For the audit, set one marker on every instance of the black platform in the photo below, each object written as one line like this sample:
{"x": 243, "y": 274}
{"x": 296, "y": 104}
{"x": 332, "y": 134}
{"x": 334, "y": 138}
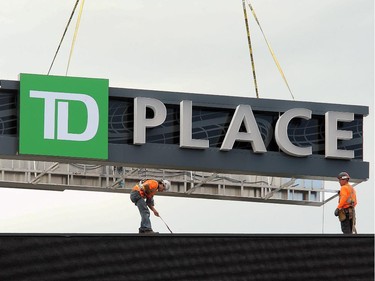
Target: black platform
{"x": 185, "y": 257}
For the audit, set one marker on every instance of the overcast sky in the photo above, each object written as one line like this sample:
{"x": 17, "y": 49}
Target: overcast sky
{"x": 326, "y": 49}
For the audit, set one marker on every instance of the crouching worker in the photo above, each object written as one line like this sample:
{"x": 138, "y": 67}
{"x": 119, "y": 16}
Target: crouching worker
{"x": 347, "y": 201}
{"x": 142, "y": 195}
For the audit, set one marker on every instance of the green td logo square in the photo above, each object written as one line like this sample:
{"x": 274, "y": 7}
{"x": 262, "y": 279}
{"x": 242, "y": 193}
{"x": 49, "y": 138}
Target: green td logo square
{"x": 63, "y": 116}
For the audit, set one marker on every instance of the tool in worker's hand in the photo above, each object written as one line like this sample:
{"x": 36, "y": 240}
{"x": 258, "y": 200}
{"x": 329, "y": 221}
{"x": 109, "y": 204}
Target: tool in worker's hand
{"x": 166, "y": 224}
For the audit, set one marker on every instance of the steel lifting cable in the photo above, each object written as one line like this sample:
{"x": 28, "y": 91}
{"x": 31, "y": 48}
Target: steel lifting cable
{"x": 250, "y": 48}
{"x": 63, "y": 36}
{"x": 269, "y": 48}
{"x": 75, "y": 35}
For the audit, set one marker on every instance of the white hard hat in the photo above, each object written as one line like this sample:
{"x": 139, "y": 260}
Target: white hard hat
{"x": 167, "y": 184}
{"x": 343, "y": 176}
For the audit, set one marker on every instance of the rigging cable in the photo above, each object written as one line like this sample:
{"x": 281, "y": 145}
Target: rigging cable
{"x": 250, "y": 48}
{"x": 269, "y": 48}
{"x": 75, "y": 35}
{"x": 63, "y": 36}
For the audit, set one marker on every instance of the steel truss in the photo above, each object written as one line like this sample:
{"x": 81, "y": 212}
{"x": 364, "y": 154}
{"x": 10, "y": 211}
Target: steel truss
{"x": 63, "y": 176}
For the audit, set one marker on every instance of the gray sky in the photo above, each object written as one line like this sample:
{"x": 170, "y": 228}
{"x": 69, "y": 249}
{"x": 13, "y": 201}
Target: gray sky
{"x": 326, "y": 49}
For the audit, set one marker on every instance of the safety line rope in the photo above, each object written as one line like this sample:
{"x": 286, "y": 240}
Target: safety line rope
{"x": 250, "y": 48}
{"x": 75, "y": 35}
{"x": 63, "y": 36}
{"x": 270, "y": 48}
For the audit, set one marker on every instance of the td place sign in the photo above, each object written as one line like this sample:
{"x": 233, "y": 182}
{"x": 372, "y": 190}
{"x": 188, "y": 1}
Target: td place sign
{"x": 82, "y": 117}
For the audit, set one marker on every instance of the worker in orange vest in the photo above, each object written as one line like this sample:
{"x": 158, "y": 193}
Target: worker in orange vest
{"x": 347, "y": 202}
{"x": 142, "y": 195}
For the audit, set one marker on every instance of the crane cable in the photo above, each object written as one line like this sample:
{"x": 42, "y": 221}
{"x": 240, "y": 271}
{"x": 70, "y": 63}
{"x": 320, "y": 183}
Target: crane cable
{"x": 270, "y": 48}
{"x": 75, "y": 35}
{"x": 250, "y": 48}
{"x": 63, "y": 36}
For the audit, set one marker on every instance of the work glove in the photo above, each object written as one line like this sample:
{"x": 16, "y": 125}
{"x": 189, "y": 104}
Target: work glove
{"x": 337, "y": 212}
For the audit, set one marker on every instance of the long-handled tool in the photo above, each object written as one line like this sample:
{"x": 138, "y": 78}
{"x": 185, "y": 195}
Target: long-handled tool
{"x": 166, "y": 224}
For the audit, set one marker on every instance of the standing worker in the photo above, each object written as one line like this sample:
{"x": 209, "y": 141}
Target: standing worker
{"x": 347, "y": 201}
{"x": 142, "y": 195}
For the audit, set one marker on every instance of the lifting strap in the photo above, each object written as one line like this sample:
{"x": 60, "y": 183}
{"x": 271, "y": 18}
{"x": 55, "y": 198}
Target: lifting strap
{"x": 270, "y": 48}
{"x": 250, "y": 48}
{"x": 75, "y": 35}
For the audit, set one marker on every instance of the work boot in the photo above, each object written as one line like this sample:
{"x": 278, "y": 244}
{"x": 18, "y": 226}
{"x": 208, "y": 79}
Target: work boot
{"x": 150, "y": 232}
{"x": 147, "y": 231}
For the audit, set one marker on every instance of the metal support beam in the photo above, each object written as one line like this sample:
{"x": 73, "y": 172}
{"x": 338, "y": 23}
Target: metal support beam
{"x": 117, "y": 182}
{"x": 270, "y": 194}
{"x": 205, "y": 180}
{"x": 51, "y": 168}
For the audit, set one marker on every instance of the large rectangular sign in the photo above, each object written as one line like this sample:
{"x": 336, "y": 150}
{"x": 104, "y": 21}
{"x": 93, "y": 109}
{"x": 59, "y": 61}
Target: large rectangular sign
{"x": 63, "y": 116}
{"x": 183, "y": 131}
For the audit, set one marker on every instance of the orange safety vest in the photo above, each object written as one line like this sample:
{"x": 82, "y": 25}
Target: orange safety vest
{"x": 152, "y": 187}
{"x": 348, "y": 197}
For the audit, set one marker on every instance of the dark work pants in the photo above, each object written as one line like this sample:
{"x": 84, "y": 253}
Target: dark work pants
{"x": 347, "y": 225}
